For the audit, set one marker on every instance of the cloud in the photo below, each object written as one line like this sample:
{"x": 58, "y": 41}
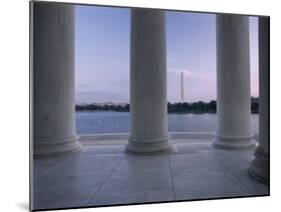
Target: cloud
{"x": 169, "y": 59}
{"x": 192, "y": 74}
{"x": 255, "y": 83}
{"x": 199, "y": 84}
{"x": 100, "y": 97}
{"x": 179, "y": 70}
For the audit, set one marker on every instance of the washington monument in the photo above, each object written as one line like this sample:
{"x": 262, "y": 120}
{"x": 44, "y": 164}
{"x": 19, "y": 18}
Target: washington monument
{"x": 182, "y": 87}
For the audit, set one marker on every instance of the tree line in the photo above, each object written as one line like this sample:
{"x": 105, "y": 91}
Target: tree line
{"x": 194, "y": 107}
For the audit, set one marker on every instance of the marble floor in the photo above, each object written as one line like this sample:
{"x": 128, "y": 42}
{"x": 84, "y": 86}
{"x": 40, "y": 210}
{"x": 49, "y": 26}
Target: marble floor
{"x": 105, "y": 175}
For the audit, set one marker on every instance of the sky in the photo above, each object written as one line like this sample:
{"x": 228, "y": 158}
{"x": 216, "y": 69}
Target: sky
{"x": 102, "y": 47}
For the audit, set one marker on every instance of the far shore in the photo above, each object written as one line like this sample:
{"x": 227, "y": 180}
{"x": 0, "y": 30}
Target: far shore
{"x": 199, "y": 107}
{"x": 169, "y": 112}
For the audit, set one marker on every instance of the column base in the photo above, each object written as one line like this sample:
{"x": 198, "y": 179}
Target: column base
{"x": 259, "y": 168}
{"x": 234, "y": 142}
{"x": 56, "y": 149}
{"x": 148, "y": 146}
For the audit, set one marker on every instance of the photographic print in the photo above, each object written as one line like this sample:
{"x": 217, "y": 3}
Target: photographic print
{"x": 140, "y": 105}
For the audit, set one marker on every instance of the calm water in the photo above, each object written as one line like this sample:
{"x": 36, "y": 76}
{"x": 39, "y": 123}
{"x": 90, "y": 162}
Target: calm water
{"x": 113, "y": 122}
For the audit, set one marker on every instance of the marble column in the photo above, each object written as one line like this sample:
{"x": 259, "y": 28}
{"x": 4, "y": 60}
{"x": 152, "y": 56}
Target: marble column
{"x": 53, "y": 80}
{"x": 233, "y": 83}
{"x": 148, "y": 82}
{"x": 260, "y": 165}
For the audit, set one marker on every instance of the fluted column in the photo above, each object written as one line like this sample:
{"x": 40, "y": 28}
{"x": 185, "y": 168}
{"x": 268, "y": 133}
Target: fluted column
{"x": 53, "y": 80}
{"x": 148, "y": 82}
{"x": 233, "y": 83}
{"x": 260, "y": 166}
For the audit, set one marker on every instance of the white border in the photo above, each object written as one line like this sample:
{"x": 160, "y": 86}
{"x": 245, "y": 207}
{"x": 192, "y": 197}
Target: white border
{"x": 14, "y": 110}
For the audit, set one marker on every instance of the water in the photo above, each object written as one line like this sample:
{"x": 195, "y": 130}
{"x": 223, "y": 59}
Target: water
{"x": 119, "y": 122}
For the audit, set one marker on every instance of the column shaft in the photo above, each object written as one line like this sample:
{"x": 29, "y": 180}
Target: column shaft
{"x": 148, "y": 82}
{"x": 53, "y": 74}
{"x": 260, "y": 166}
{"x": 233, "y": 83}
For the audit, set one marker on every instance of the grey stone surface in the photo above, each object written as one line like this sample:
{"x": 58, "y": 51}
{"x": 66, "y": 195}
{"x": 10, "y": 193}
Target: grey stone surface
{"x": 53, "y": 80}
{"x": 106, "y": 175}
{"x": 137, "y": 179}
{"x": 239, "y": 169}
{"x": 148, "y": 82}
{"x": 233, "y": 82}
{"x": 75, "y": 182}
{"x": 43, "y": 168}
{"x": 260, "y": 165}
{"x": 200, "y": 176}
{"x": 106, "y": 137}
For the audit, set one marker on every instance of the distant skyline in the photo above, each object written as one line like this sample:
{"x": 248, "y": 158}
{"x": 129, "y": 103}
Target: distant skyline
{"x": 102, "y": 47}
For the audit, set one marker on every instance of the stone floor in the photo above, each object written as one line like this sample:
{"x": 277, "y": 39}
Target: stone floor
{"x": 105, "y": 175}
